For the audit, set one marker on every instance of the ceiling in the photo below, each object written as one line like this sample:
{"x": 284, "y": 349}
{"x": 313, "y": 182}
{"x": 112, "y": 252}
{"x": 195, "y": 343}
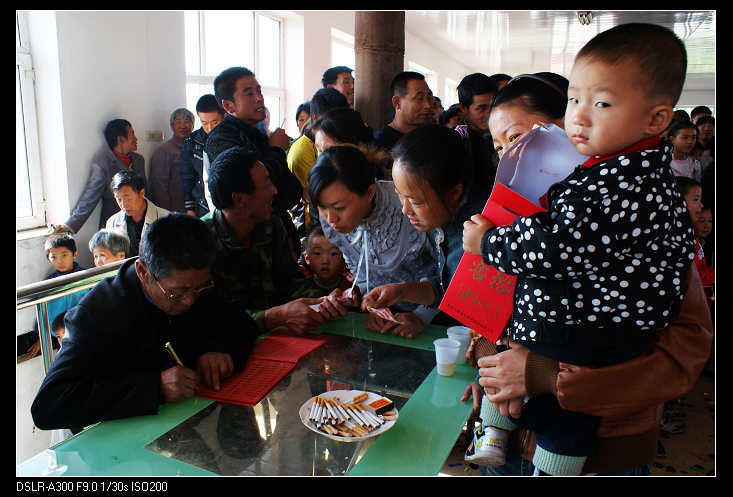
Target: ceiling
{"x": 515, "y": 42}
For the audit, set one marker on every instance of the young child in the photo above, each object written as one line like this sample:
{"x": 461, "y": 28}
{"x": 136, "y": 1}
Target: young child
{"x": 109, "y": 246}
{"x": 601, "y": 270}
{"x": 61, "y": 252}
{"x": 692, "y": 192}
{"x": 325, "y": 263}
{"x": 58, "y": 327}
{"x": 683, "y": 135}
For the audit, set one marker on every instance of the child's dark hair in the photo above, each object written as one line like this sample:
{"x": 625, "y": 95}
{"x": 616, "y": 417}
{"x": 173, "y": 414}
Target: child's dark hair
{"x": 114, "y": 241}
{"x": 315, "y": 231}
{"x": 685, "y": 184}
{"x": 678, "y": 126}
{"x": 58, "y": 322}
{"x": 660, "y": 55}
{"x": 60, "y": 240}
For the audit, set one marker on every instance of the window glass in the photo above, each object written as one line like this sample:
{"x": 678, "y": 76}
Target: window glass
{"x": 23, "y": 206}
{"x": 228, "y": 41}
{"x": 268, "y": 51}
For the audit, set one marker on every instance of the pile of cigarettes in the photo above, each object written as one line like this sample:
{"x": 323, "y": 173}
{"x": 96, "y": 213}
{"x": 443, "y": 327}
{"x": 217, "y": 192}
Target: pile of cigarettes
{"x": 333, "y": 417}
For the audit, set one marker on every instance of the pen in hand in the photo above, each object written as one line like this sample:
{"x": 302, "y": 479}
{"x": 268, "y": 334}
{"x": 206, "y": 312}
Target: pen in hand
{"x": 173, "y": 354}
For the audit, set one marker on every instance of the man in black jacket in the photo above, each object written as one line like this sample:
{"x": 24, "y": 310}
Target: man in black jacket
{"x": 192, "y": 156}
{"x": 240, "y": 95}
{"x": 113, "y": 362}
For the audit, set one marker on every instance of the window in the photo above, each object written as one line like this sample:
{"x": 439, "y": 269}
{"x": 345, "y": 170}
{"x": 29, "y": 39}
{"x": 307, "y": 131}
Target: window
{"x": 342, "y": 49}
{"x": 217, "y": 39}
{"x": 451, "y": 93}
{"x": 430, "y": 77}
{"x": 30, "y": 206}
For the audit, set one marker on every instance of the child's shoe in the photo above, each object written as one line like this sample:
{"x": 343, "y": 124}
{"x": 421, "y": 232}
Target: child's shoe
{"x": 488, "y": 447}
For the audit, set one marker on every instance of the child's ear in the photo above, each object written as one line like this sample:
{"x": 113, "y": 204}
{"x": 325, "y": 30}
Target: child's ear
{"x": 76, "y": 254}
{"x": 659, "y": 118}
{"x": 120, "y": 255}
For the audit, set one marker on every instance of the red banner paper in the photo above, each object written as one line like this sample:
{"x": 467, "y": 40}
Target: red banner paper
{"x": 480, "y": 296}
{"x": 272, "y": 358}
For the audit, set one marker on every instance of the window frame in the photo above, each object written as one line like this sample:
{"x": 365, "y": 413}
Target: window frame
{"x": 26, "y": 75}
{"x": 267, "y": 91}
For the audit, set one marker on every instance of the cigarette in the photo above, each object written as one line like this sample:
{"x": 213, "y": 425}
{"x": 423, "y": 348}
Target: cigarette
{"x": 335, "y": 409}
{"x": 359, "y": 418}
{"x": 341, "y": 409}
{"x": 360, "y": 398}
{"x": 331, "y": 412}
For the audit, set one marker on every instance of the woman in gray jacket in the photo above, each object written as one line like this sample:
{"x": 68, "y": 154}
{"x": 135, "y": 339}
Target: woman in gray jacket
{"x": 363, "y": 218}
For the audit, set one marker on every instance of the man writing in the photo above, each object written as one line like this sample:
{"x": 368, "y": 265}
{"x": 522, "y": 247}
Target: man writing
{"x": 114, "y": 363}
{"x": 118, "y": 154}
{"x": 252, "y": 264}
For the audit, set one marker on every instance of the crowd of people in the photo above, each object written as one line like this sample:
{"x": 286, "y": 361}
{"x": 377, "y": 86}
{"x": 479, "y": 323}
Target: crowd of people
{"x": 244, "y": 229}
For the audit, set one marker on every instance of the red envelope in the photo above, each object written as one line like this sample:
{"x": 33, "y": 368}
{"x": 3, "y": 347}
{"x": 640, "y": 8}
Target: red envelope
{"x": 479, "y": 295}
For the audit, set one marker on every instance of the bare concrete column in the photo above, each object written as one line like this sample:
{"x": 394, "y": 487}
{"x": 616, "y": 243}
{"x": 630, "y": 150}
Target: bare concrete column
{"x": 379, "y": 43}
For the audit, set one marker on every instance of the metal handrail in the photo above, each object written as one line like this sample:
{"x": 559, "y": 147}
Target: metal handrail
{"x": 33, "y": 293}
{"x": 40, "y": 293}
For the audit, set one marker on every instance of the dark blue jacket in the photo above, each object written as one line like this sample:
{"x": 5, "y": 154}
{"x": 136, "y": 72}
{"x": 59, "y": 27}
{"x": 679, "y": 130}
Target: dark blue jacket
{"x": 110, "y": 361}
{"x": 192, "y": 172}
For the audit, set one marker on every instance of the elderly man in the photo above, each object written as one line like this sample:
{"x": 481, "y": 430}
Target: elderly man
{"x": 413, "y": 107}
{"x": 114, "y": 364}
{"x": 340, "y": 78}
{"x": 136, "y": 212}
{"x": 166, "y": 189}
{"x": 118, "y": 154}
{"x": 253, "y": 267}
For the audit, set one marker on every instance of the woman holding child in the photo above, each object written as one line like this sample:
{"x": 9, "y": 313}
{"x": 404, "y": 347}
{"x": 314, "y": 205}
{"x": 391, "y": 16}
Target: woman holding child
{"x": 628, "y": 431}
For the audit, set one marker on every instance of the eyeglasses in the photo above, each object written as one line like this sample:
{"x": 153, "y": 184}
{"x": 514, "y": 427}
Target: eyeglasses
{"x": 177, "y": 297}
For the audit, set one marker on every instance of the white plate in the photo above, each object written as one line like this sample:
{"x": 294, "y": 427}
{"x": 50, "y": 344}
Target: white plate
{"x": 345, "y": 397}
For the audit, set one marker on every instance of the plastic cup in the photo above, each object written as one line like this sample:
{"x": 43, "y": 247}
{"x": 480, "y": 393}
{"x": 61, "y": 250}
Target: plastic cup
{"x": 460, "y": 335}
{"x": 446, "y": 354}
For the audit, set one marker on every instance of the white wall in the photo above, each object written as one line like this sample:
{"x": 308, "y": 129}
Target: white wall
{"x": 92, "y": 67}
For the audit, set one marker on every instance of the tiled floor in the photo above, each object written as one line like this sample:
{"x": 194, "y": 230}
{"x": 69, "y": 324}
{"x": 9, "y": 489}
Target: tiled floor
{"x": 691, "y": 453}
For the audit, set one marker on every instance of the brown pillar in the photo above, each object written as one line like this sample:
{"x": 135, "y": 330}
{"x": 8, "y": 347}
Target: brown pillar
{"x": 379, "y": 43}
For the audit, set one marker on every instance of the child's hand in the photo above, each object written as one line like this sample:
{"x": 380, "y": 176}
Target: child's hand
{"x": 473, "y": 231}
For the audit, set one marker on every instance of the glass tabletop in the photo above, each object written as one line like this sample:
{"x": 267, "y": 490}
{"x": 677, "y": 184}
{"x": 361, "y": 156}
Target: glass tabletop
{"x": 270, "y": 439}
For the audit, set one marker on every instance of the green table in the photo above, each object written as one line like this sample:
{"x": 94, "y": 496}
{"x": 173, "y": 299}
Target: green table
{"x": 431, "y": 417}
